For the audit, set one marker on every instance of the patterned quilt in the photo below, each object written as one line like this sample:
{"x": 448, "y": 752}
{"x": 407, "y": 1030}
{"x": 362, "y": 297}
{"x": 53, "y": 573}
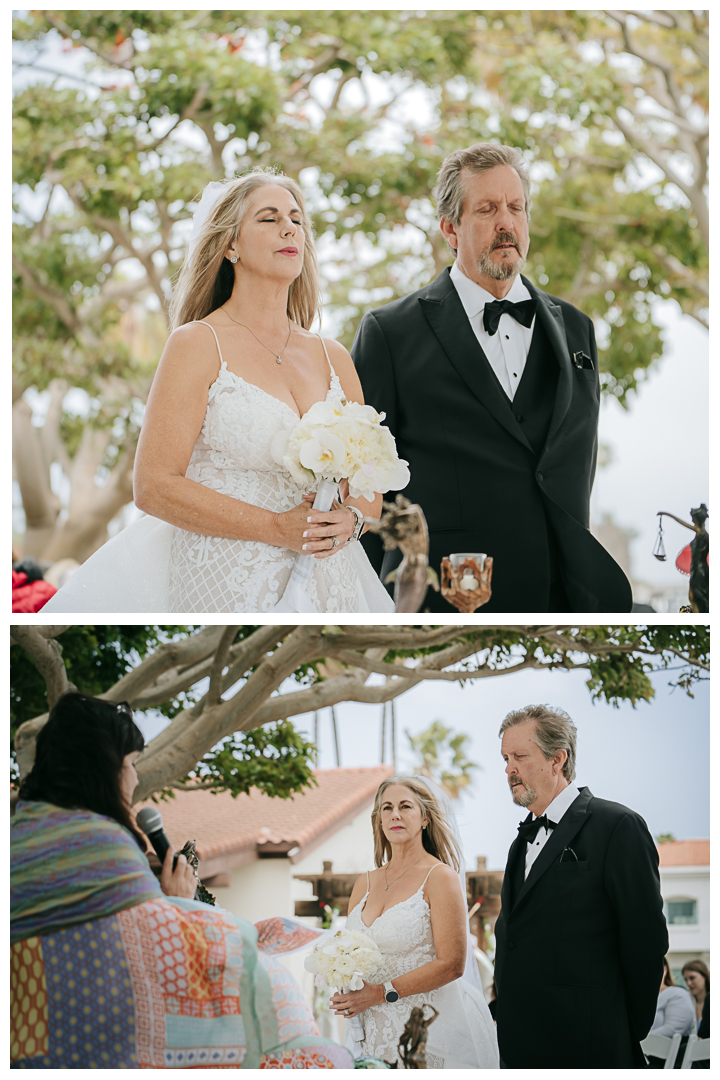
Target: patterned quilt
{"x": 168, "y": 983}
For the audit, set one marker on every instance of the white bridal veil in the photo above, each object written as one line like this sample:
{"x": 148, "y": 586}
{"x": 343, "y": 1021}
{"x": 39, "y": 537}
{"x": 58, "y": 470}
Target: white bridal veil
{"x": 471, "y": 973}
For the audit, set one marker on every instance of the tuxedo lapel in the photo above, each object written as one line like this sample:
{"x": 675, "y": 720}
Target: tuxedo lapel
{"x": 551, "y": 317}
{"x": 561, "y": 837}
{"x": 445, "y": 313}
{"x": 514, "y": 875}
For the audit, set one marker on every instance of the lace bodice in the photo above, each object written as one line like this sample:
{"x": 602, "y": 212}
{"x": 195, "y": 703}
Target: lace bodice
{"x": 232, "y": 453}
{"x": 403, "y": 933}
{"x": 233, "y": 456}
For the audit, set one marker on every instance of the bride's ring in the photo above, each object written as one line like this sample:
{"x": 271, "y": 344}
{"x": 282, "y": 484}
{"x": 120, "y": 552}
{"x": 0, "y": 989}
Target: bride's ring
{"x": 347, "y": 1012}
{"x": 335, "y": 542}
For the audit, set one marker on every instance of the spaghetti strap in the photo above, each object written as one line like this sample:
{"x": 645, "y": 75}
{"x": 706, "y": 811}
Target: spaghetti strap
{"x": 332, "y": 372}
{"x": 200, "y": 322}
{"x": 428, "y": 875}
{"x": 367, "y": 874}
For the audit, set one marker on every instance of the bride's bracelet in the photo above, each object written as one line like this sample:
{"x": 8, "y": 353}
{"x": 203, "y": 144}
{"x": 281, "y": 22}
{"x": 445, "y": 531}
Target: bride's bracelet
{"x": 359, "y": 521}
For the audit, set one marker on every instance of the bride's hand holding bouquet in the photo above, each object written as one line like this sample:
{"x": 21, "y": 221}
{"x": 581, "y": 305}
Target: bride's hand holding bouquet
{"x": 343, "y": 963}
{"x": 335, "y": 441}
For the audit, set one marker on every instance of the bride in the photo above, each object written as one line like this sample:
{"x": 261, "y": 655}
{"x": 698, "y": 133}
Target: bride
{"x": 413, "y": 906}
{"x": 224, "y": 519}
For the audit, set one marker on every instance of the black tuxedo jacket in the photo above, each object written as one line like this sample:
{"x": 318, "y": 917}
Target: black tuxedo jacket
{"x": 493, "y": 475}
{"x": 580, "y": 943}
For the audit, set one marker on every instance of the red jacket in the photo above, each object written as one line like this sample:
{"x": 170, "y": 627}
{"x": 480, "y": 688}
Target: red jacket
{"x": 30, "y": 596}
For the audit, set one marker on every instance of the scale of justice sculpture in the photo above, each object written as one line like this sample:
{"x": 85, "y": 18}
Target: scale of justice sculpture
{"x": 697, "y": 565}
{"x": 465, "y": 578}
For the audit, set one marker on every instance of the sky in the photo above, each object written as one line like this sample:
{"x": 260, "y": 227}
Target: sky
{"x": 659, "y": 446}
{"x": 654, "y": 758}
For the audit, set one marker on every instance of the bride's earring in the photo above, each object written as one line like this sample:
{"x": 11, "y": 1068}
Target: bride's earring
{"x": 233, "y": 259}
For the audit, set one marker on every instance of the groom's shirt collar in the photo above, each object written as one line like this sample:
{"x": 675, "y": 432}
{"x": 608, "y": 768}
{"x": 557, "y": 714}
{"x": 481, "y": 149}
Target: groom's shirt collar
{"x": 474, "y": 298}
{"x": 562, "y": 802}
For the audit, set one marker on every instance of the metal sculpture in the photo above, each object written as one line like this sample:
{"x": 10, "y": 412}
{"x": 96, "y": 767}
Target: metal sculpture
{"x": 413, "y": 1041}
{"x": 699, "y": 590}
{"x": 402, "y": 525}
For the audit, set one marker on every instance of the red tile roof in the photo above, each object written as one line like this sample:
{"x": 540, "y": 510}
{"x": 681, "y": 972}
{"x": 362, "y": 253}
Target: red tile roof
{"x": 230, "y": 832}
{"x": 685, "y": 853}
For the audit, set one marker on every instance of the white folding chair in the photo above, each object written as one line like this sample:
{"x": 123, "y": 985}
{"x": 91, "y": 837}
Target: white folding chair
{"x": 660, "y": 1046}
{"x": 696, "y": 1050}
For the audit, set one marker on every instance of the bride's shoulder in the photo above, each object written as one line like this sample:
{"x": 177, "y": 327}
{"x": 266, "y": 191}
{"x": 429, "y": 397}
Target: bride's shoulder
{"x": 440, "y": 878}
{"x": 192, "y": 348}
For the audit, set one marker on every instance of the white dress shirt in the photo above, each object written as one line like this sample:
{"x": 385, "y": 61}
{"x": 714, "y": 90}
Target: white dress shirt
{"x": 507, "y": 349}
{"x": 559, "y": 806}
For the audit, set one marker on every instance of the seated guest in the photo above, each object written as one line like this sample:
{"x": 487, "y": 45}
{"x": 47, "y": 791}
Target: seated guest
{"x": 109, "y": 968}
{"x": 697, "y": 979}
{"x": 675, "y": 1013}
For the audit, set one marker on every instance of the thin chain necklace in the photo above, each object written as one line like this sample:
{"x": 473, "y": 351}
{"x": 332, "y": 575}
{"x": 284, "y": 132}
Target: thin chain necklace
{"x": 403, "y": 873}
{"x": 278, "y": 358}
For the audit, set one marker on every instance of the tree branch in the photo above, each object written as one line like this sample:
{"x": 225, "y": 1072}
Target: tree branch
{"x": 46, "y": 654}
{"x": 67, "y": 32}
{"x": 55, "y": 300}
{"x": 171, "y": 654}
{"x": 221, "y": 654}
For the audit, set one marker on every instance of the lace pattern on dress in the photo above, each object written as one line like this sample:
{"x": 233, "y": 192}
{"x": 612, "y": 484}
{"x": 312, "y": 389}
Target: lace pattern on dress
{"x": 232, "y": 456}
{"x": 403, "y": 934}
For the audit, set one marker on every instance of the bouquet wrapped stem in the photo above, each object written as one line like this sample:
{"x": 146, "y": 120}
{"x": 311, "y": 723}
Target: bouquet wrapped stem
{"x": 335, "y": 439}
{"x": 295, "y": 597}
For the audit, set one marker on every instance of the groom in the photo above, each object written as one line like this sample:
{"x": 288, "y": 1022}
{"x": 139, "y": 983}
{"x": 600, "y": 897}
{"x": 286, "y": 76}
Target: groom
{"x": 491, "y": 389}
{"x": 581, "y": 935}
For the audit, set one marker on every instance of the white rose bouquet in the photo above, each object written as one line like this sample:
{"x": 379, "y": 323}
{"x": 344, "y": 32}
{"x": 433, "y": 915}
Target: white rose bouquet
{"x": 335, "y": 440}
{"x": 343, "y": 962}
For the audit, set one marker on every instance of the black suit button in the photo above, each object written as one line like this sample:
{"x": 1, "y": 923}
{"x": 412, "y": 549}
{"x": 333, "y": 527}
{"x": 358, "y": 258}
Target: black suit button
{"x": 540, "y": 478}
{"x": 511, "y": 944}
{"x": 519, "y": 418}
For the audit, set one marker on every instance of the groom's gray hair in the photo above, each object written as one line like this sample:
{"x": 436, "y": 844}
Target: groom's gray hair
{"x": 554, "y": 730}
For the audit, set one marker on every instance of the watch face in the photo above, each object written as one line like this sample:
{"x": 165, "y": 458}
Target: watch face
{"x": 392, "y": 995}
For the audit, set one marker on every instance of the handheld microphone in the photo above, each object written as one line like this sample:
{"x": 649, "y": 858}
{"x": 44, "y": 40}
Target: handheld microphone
{"x": 150, "y": 821}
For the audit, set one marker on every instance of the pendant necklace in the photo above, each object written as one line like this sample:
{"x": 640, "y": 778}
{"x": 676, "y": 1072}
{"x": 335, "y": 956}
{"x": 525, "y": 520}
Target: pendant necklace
{"x": 401, "y": 875}
{"x": 278, "y": 358}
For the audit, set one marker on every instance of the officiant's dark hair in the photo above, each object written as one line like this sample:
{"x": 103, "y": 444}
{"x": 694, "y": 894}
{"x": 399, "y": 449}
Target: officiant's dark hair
{"x": 554, "y": 731}
{"x": 437, "y": 837}
{"x": 79, "y": 755}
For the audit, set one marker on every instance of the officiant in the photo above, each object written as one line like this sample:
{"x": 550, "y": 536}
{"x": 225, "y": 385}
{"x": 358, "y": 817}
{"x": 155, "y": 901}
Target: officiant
{"x": 491, "y": 388}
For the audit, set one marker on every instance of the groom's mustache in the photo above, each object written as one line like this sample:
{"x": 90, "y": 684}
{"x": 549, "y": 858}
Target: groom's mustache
{"x": 505, "y": 238}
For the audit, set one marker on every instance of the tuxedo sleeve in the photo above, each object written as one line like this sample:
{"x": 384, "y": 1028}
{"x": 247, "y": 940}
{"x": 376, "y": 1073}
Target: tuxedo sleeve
{"x": 373, "y": 361}
{"x": 632, "y": 881}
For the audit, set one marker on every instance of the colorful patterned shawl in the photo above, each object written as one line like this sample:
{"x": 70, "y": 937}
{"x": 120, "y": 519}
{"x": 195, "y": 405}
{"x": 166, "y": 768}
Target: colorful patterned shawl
{"x": 103, "y": 976}
{"x": 69, "y": 866}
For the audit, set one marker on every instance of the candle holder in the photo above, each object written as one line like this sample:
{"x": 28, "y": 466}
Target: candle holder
{"x": 465, "y": 580}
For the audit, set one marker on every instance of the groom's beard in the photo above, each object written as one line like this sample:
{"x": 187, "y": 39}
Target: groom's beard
{"x": 503, "y": 270}
{"x": 523, "y": 794}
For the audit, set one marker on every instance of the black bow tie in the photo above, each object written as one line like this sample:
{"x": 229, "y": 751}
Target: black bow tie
{"x": 530, "y": 827}
{"x": 524, "y": 313}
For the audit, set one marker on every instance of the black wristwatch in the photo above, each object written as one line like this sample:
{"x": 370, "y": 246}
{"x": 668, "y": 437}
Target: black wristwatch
{"x": 391, "y": 993}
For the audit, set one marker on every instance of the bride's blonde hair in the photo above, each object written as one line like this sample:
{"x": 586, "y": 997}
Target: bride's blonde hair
{"x": 437, "y": 838}
{"x": 205, "y": 281}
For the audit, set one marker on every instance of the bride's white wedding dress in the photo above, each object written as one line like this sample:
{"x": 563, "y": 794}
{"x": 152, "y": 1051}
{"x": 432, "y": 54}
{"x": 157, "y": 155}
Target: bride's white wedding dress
{"x": 463, "y": 1034}
{"x": 155, "y": 566}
